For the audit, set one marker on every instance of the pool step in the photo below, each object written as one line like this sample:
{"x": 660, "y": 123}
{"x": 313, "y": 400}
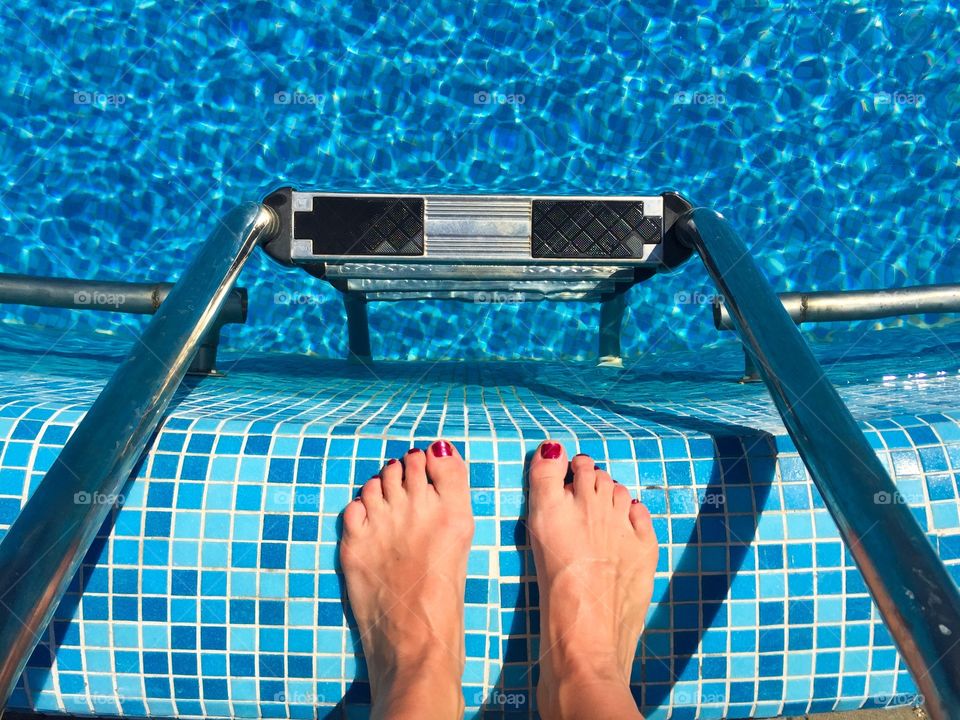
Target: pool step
{"x": 492, "y": 249}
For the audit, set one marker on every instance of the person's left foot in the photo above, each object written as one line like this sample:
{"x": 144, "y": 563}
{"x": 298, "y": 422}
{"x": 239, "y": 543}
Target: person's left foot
{"x": 404, "y": 555}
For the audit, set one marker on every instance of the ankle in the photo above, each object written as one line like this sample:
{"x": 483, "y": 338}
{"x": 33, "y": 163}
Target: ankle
{"x": 579, "y": 694}
{"x": 426, "y": 682}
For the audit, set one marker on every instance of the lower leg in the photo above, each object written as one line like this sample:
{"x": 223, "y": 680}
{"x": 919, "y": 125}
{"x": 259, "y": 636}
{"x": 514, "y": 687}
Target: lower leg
{"x": 595, "y": 554}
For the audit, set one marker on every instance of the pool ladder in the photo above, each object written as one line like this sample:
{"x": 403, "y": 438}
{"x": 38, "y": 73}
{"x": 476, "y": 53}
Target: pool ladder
{"x": 919, "y": 601}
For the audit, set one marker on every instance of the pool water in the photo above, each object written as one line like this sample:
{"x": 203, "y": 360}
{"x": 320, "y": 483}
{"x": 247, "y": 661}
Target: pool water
{"x": 826, "y": 132}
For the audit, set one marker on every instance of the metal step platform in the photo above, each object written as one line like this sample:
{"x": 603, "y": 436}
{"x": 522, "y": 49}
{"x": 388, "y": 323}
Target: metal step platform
{"x": 479, "y": 248}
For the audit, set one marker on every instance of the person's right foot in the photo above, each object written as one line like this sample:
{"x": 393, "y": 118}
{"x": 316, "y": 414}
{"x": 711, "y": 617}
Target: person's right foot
{"x": 596, "y": 553}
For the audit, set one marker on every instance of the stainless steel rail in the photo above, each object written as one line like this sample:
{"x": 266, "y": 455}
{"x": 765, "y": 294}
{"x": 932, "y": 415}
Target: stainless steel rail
{"x": 857, "y": 304}
{"x": 916, "y": 596}
{"x": 107, "y": 295}
{"x": 43, "y": 548}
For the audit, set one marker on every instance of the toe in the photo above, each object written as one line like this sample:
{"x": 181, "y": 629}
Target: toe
{"x": 584, "y": 475}
{"x": 446, "y": 470}
{"x": 354, "y": 517}
{"x": 371, "y": 494}
{"x": 415, "y": 471}
{"x": 548, "y": 470}
{"x": 392, "y": 477}
{"x": 605, "y": 484}
{"x": 640, "y": 519}
{"x": 621, "y": 497}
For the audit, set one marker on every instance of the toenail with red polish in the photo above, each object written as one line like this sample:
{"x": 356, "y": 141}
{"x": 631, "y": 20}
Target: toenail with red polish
{"x": 596, "y": 467}
{"x": 441, "y": 448}
{"x": 550, "y": 450}
{"x": 391, "y": 461}
{"x": 411, "y": 451}
{"x": 357, "y": 499}
{"x": 635, "y": 501}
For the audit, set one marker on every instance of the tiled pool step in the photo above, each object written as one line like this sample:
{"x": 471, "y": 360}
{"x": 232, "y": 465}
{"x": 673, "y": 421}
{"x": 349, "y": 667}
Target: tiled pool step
{"x": 213, "y": 590}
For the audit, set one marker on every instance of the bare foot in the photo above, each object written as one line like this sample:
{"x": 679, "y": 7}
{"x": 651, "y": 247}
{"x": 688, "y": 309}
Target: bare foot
{"x": 596, "y": 554}
{"x": 404, "y": 554}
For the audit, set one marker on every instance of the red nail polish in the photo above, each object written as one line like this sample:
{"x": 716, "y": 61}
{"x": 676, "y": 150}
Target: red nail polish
{"x": 441, "y": 448}
{"x": 391, "y": 461}
{"x": 596, "y": 467}
{"x": 580, "y": 455}
{"x": 411, "y": 451}
{"x": 635, "y": 501}
{"x": 551, "y": 450}
{"x": 357, "y": 499}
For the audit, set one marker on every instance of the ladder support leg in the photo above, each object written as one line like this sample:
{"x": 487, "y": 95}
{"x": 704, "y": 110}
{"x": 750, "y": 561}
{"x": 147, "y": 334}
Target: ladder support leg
{"x": 612, "y": 311}
{"x": 358, "y": 326}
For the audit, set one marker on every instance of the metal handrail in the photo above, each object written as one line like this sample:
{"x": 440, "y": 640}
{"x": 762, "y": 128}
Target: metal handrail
{"x": 915, "y": 594}
{"x": 124, "y": 297}
{"x": 42, "y": 550}
{"x": 831, "y": 306}
{"x": 849, "y": 305}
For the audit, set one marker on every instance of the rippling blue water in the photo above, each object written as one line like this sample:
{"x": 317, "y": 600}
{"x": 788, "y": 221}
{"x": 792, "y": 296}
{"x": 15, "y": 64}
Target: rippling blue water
{"x": 127, "y": 126}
